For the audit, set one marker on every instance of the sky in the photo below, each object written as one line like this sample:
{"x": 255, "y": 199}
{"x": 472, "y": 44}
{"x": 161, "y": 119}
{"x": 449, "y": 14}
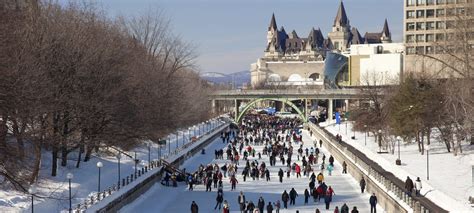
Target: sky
{"x": 231, "y": 34}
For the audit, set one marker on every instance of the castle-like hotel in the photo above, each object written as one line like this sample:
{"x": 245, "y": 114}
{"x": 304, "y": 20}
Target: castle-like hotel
{"x": 290, "y": 58}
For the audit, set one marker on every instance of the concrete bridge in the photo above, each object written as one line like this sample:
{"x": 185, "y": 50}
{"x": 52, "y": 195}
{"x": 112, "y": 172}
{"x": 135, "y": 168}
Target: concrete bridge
{"x": 286, "y": 96}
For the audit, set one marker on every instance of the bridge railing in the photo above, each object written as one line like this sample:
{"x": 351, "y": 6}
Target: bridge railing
{"x": 343, "y": 91}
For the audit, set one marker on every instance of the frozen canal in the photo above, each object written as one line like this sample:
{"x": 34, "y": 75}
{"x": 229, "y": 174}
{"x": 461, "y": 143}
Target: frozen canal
{"x": 169, "y": 199}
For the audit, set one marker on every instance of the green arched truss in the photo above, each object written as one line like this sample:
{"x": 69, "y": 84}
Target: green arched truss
{"x": 286, "y": 101}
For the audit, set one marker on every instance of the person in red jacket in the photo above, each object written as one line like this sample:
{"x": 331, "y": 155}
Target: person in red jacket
{"x": 233, "y": 182}
{"x": 298, "y": 170}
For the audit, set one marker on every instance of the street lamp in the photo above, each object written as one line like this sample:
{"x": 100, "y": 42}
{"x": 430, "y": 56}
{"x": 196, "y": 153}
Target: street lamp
{"x": 427, "y": 162}
{"x": 32, "y": 191}
{"x": 149, "y": 151}
{"x": 398, "y": 161}
{"x": 365, "y": 139}
{"x": 118, "y": 165}
{"x": 380, "y": 140}
{"x": 99, "y": 165}
{"x": 136, "y": 162}
{"x": 69, "y": 177}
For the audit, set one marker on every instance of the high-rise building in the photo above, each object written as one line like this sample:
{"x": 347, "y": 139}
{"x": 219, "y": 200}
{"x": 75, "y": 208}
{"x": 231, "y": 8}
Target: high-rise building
{"x": 427, "y": 25}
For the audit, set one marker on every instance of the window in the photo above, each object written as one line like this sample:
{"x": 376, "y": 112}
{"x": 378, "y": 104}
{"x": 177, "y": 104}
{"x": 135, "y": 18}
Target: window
{"x": 429, "y": 50}
{"x": 439, "y": 12}
{"x": 410, "y": 14}
{"x": 440, "y": 37}
{"x": 430, "y": 2}
{"x": 460, "y": 11}
{"x": 420, "y": 26}
{"x": 450, "y": 1}
{"x": 420, "y": 13}
{"x": 420, "y": 50}
{"x": 430, "y": 13}
{"x": 430, "y": 25}
{"x": 420, "y": 38}
{"x": 429, "y": 37}
{"x": 440, "y": 1}
{"x": 450, "y": 11}
{"x": 440, "y": 25}
{"x": 410, "y": 39}
{"x": 410, "y": 50}
{"x": 410, "y": 26}
{"x": 410, "y": 2}
{"x": 420, "y": 2}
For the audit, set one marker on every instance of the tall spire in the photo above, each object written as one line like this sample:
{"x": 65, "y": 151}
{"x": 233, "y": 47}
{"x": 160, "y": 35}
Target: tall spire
{"x": 341, "y": 17}
{"x": 273, "y": 24}
{"x": 386, "y": 31}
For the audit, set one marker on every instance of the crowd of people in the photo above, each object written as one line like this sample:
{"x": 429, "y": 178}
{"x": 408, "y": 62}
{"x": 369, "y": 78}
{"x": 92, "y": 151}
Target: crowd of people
{"x": 279, "y": 141}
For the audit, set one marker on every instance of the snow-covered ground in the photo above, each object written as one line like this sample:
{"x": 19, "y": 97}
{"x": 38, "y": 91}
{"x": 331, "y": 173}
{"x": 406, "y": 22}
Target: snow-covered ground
{"x": 85, "y": 181}
{"x": 450, "y": 177}
{"x": 168, "y": 199}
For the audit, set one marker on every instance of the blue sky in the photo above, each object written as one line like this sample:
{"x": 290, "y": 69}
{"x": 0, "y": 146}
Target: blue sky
{"x": 231, "y": 34}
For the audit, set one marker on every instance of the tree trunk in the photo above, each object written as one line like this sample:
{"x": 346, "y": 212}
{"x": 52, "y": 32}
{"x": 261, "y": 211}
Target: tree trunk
{"x": 428, "y": 136}
{"x": 37, "y": 162}
{"x": 88, "y": 153}
{"x": 418, "y": 140}
{"x": 81, "y": 150}
{"x": 19, "y": 139}
{"x": 54, "y": 167}
{"x": 64, "y": 137}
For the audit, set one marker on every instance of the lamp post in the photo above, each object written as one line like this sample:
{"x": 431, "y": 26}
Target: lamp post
{"x": 380, "y": 140}
{"x": 398, "y": 161}
{"x": 365, "y": 135}
{"x": 32, "y": 191}
{"x": 69, "y": 177}
{"x": 149, "y": 151}
{"x": 118, "y": 167}
{"x": 177, "y": 139}
{"x": 136, "y": 162}
{"x": 427, "y": 162}
{"x": 99, "y": 165}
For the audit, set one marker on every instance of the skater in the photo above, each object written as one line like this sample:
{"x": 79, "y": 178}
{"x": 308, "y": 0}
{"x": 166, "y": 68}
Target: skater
{"x": 267, "y": 174}
{"x": 327, "y": 200}
{"x": 219, "y": 200}
{"x": 277, "y": 206}
{"x": 362, "y": 185}
{"x": 241, "y": 201}
{"x": 330, "y": 168}
{"x": 306, "y": 196}
{"x": 261, "y": 204}
{"x": 233, "y": 182}
{"x": 280, "y": 175}
{"x": 418, "y": 186}
{"x": 285, "y": 197}
{"x": 269, "y": 207}
{"x": 344, "y": 208}
{"x": 320, "y": 143}
{"x": 354, "y": 210}
{"x": 373, "y": 203}
{"x": 293, "y": 195}
{"x": 344, "y": 167}
{"x": 225, "y": 207}
{"x": 194, "y": 207}
{"x": 409, "y": 186}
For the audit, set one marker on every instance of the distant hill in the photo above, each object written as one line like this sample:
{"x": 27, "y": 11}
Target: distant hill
{"x": 240, "y": 78}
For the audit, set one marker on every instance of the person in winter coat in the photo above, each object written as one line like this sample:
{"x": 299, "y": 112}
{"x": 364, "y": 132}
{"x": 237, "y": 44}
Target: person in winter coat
{"x": 269, "y": 207}
{"x": 298, "y": 170}
{"x": 354, "y": 210}
{"x": 285, "y": 197}
{"x": 261, "y": 204}
{"x": 330, "y": 192}
{"x": 317, "y": 211}
{"x": 344, "y": 208}
{"x": 241, "y": 201}
{"x": 320, "y": 178}
{"x": 293, "y": 195}
{"x": 336, "y": 210}
{"x": 344, "y": 167}
{"x": 418, "y": 186}
{"x": 306, "y": 196}
{"x": 280, "y": 175}
{"x": 233, "y": 182}
{"x": 219, "y": 200}
{"x": 327, "y": 200}
{"x": 277, "y": 206}
{"x": 267, "y": 174}
{"x": 373, "y": 203}
{"x": 362, "y": 185}
{"x": 225, "y": 207}
{"x": 256, "y": 210}
{"x": 330, "y": 168}
{"x": 311, "y": 185}
{"x": 250, "y": 207}
{"x": 194, "y": 207}
{"x": 331, "y": 160}
{"x": 409, "y": 186}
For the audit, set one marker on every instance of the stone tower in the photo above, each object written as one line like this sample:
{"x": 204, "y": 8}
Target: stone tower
{"x": 272, "y": 30}
{"x": 386, "y": 35}
{"x": 341, "y": 30}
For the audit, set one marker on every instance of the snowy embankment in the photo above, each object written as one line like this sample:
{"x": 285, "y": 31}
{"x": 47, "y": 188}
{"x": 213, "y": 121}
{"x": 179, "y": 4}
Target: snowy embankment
{"x": 53, "y": 192}
{"x": 450, "y": 180}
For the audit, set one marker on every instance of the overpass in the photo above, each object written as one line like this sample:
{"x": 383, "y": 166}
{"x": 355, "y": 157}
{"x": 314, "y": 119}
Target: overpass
{"x": 285, "y": 96}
